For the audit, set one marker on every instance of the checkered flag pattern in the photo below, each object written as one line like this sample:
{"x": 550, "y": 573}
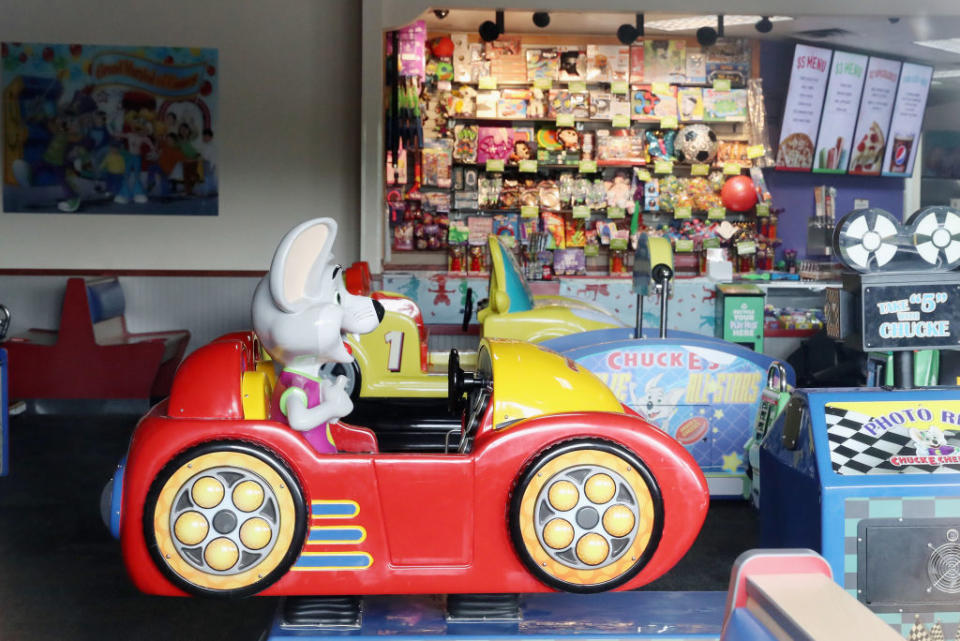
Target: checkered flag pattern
{"x": 936, "y": 632}
{"x": 853, "y": 451}
{"x": 918, "y": 632}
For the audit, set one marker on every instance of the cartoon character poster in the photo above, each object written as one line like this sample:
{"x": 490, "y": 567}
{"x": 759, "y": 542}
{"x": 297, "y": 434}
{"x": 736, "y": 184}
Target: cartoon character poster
{"x": 106, "y": 129}
{"x": 707, "y": 399}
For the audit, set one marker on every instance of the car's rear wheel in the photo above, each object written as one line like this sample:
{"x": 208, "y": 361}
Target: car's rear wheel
{"x": 586, "y": 516}
{"x": 225, "y": 518}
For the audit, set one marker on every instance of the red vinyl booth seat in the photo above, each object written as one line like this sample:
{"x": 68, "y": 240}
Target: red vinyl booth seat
{"x": 92, "y": 355}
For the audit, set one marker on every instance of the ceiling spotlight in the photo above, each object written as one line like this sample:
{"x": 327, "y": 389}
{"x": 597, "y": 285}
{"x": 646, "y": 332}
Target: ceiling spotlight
{"x": 764, "y": 25}
{"x": 627, "y": 33}
{"x": 706, "y": 36}
{"x": 441, "y": 13}
{"x": 489, "y": 30}
{"x": 893, "y": 20}
{"x": 541, "y": 19}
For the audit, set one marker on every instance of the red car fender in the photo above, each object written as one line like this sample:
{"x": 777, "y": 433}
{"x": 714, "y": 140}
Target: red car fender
{"x": 683, "y": 487}
{"x": 158, "y": 440}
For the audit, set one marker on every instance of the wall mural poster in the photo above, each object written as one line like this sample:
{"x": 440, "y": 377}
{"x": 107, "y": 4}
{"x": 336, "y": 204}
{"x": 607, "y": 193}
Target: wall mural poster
{"x": 110, "y": 130}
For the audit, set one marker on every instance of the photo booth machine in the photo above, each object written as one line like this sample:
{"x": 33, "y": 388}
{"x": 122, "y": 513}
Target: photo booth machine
{"x": 870, "y": 477}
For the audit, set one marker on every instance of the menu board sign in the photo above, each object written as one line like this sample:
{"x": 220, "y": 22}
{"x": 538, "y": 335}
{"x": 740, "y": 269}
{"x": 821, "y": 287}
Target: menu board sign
{"x": 876, "y": 105}
{"x": 801, "y": 117}
{"x": 847, "y": 72}
{"x": 907, "y": 119}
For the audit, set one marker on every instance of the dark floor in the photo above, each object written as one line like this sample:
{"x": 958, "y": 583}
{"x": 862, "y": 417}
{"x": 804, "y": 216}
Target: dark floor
{"x": 61, "y": 574}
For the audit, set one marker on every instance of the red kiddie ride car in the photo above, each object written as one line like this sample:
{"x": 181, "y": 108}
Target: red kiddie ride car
{"x": 551, "y": 484}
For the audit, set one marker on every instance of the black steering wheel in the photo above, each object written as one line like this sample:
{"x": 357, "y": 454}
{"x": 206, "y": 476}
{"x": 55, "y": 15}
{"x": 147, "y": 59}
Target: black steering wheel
{"x": 460, "y": 383}
{"x": 467, "y": 309}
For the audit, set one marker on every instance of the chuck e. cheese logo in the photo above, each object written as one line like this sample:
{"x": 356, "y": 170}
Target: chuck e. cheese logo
{"x": 693, "y": 378}
{"x": 912, "y": 434}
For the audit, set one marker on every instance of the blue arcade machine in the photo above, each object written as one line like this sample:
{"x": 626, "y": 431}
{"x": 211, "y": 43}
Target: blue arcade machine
{"x": 870, "y": 477}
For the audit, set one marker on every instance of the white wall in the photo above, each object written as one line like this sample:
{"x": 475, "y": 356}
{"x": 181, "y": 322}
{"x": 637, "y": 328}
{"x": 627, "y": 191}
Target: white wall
{"x": 288, "y": 131}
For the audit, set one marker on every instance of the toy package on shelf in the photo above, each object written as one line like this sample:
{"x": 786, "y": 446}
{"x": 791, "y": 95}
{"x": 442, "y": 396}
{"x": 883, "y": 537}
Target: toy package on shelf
{"x": 506, "y": 58}
{"x": 725, "y": 106}
{"x": 573, "y": 64}
{"x": 619, "y": 106}
{"x": 732, "y": 151}
{"x": 664, "y": 61}
{"x": 461, "y": 101}
{"x": 548, "y": 195}
{"x": 690, "y": 103}
{"x": 604, "y": 62}
{"x": 696, "y": 69}
{"x": 494, "y": 143}
{"x": 469, "y": 64}
{"x": 543, "y": 64}
{"x": 620, "y": 146}
{"x": 566, "y": 103}
{"x": 513, "y": 103}
{"x": 569, "y": 262}
{"x": 465, "y": 143}
{"x": 437, "y": 161}
{"x": 576, "y": 232}
{"x": 729, "y": 59}
{"x": 652, "y": 106}
{"x": 480, "y": 228}
{"x": 619, "y": 191}
{"x": 600, "y": 105}
{"x": 636, "y": 62}
{"x": 411, "y": 41}
{"x": 555, "y": 228}
{"x": 487, "y": 102}
{"x": 524, "y": 146}
{"x": 507, "y": 227}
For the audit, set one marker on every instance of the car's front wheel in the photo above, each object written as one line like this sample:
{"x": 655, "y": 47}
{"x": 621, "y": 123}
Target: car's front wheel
{"x": 586, "y": 516}
{"x": 225, "y": 518}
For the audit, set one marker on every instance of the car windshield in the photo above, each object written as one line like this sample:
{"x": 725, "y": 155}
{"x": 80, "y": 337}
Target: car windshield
{"x": 521, "y": 299}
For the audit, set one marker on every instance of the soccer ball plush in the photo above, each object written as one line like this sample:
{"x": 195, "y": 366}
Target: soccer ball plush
{"x": 696, "y": 144}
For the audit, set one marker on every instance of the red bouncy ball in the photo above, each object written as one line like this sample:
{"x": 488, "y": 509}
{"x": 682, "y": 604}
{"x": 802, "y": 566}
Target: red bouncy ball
{"x": 443, "y": 47}
{"x": 738, "y": 194}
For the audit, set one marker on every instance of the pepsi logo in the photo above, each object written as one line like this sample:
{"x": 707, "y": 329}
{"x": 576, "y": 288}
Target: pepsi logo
{"x": 900, "y": 154}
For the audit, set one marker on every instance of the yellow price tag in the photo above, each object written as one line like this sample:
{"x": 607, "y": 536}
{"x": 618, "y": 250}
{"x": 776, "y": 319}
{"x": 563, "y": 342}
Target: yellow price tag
{"x": 529, "y": 211}
{"x": 663, "y": 167}
{"x": 487, "y": 82}
{"x": 660, "y": 87}
{"x": 620, "y": 121}
{"x": 755, "y": 151}
{"x": 669, "y": 122}
{"x": 581, "y": 211}
{"x": 577, "y": 86}
{"x": 588, "y": 167}
{"x": 494, "y": 164}
{"x": 616, "y": 212}
{"x": 528, "y": 166}
{"x": 643, "y": 175}
{"x": 682, "y": 212}
{"x": 716, "y": 213}
{"x": 699, "y": 169}
{"x": 763, "y": 210}
{"x": 542, "y": 83}
{"x": 565, "y": 120}
{"x": 731, "y": 168}
{"x": 721, "y": 84}
{"x": 618, "y": 86}
{"x": 683, "y": 245}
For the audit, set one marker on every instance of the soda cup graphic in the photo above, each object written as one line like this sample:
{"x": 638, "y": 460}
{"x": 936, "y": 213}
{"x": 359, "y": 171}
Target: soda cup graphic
{"x": 902, "y": 145}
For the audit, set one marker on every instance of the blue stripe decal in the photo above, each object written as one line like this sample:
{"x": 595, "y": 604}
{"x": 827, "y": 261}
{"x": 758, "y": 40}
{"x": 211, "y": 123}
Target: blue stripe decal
{"x": 333, "y": 561}
{"x": 336, "y": 534}
{"x": 335, "y": 509}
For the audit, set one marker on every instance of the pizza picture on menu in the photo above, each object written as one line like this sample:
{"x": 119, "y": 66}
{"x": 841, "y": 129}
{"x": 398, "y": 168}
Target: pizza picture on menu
{"x": 796, "y": 151}
{"x": 868, "y": 154}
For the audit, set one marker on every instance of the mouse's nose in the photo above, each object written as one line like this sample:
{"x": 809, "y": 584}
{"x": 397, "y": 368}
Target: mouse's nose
{"x": 379, "y": 309}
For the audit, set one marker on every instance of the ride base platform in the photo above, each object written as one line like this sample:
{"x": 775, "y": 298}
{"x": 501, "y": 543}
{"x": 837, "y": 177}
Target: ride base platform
{"x": 601, "y": 617}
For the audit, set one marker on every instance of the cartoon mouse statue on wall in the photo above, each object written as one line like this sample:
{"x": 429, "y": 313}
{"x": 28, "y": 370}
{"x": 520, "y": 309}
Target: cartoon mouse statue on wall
{"x": 300, "y": 310}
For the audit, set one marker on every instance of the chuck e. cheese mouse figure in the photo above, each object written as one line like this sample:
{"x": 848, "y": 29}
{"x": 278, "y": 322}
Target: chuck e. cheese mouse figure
{"x": 301, "y": 308}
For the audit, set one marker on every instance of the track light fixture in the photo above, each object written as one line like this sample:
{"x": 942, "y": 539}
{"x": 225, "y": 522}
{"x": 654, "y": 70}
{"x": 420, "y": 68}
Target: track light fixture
{"x": 541, "y": 19}
{"x": 441, "y": 13}
{"x": 627, "y": 33}
{"x": 707, "y": 36}
{"x": 490, "y": 31}
{"x": 764, "y": 25}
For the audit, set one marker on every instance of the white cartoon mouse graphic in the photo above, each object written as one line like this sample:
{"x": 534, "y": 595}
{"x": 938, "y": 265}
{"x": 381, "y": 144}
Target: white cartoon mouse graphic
{"x": 300, "y": 310}
{"x": 658, "y": 405}
{"x": 930, "y": 442}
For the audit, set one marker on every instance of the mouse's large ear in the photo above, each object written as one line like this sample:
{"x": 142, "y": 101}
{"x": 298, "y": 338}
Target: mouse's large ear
{"x": 298, "y": 262}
